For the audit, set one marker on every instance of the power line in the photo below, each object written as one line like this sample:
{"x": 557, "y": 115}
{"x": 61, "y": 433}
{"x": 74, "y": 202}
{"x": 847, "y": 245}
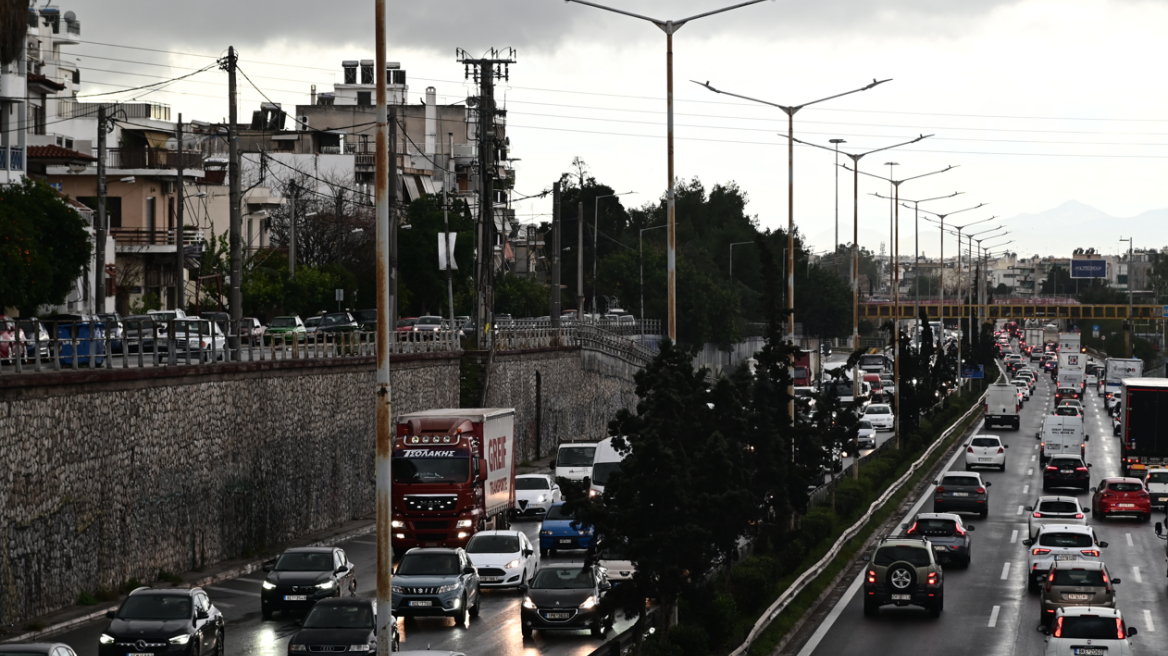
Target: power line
{"x": 150, "y": 86}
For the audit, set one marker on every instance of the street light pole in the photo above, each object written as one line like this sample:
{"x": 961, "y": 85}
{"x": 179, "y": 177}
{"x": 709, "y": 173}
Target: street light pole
{"x": 737, "y": 243}
{"x": 669, "y": 27}
{"x": 790, "y": 111}
{"x": 1130, "y": 325}
{"x": 835, "y": 246}
{"x": 641, "y": 258}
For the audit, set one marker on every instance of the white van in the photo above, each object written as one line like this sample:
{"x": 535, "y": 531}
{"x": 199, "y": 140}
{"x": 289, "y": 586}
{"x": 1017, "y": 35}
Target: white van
{"x": 606, "y": 461}
{"x": 1001, "y": 406}
{"x": 1062, "y": 435}
{"x": 574, "y": 460}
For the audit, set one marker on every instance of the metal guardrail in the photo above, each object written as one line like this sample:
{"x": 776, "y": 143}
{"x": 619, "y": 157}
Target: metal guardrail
{"x": 815, "y": 570}
{"x": 602, "y": 338}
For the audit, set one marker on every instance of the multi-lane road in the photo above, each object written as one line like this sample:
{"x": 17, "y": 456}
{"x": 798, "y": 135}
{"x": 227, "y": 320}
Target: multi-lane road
{"x": 495, "y": 631}
{"x": 988, "y": 610}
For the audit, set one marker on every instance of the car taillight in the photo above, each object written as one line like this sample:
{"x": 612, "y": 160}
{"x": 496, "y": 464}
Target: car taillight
{"x": 960, "y": 531}
{"x": 1001, "y": 450}
{"x": 871, "y": 576}
{"x": 1039, "y": 552}
{"x": 1079, "y": 516}
{"x": 1037, "y": 514}
{"x": 933, "y": 578}
{"x": 1090, "y": 552}
{"x": 1049, "y": 580}
{"x": 1058, "y": 627}
{"x": 1080, "y": 469}
{"x": 969, "y": 450}
{"x": 1106, "y": 582}
{"x": 940, "y": 489}
{"x": 1119, "y": 628}
{"x": 912, "y": 529}
{"x": 1051, "y": 468}
{"x": 981, "y": 490}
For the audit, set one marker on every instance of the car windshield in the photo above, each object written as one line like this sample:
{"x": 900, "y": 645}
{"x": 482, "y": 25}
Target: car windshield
{"x": 1078, "y": 577}
{"x": 535, "y": 483}
{"x": 429, "y": 564}
{"x": 877, "y": 410}
{"x": 366, "y": 315}
{"x": 283, "y": 322}
{"x": 1058, "y": 507}
{"x": 493, "y": 544}
{"x": 575, "y": 456}
{"x": 960, "y": 481}
{"x": 430, "y": 321}
{"x": 916, "y": 556}
{"x": 334, "y": 319}
{"x": 312, "y": 321}
{"x": 1065, "y": 540}
{"x": 1125, "y": 487}
{"x": 865, "y": 424}
{"x": 1066, "y": 463}
{"x": 870, "y": 360}
{"x": 1158, "y": 477}
{"x": 301, "y": 561}
{"x": 557, "y": 512}
{"x": 563, "y": 578}
{"x": 184, "y": 327}
{"x": 339, "y": 616}
{"x": 985, "y": 441}
{"x": 939, "y": 527}
{"x": 431, "y": 470}
{"x": 156, "y": 607}
{"x": 1090, "y": 627}
{"x": 602, "y": 470}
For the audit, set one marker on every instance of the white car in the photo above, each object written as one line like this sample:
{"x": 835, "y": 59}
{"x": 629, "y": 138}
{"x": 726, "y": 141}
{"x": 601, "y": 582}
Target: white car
{"x": 985, "y": 451}
{"x": 1055, "y": 510}
{"x": 1060, "y": 542}
{"x": 535, "y": 493}
{"x": 1093, "y": 380}
{"x": 1088, "y": 631}
{"x": 879, "y": 415}
{"x": 616, "y": 565}
{"x": 1074, "y": 402}
{"x": 1156, "y": 480}
{"x": 504, "y": 559}
{"x": 1023, "y": 387}
{"x": 865, "y": 435}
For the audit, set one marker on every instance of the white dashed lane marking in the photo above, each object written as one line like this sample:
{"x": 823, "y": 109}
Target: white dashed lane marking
{"x": 994, "y": 616}
{"x": 1019, "y": 511}
{"x": 1129, "y": 540}
{"x": 1005, "y": 571}
{"x": 1148, "y": 625}
{"x": 1136, "y": 573}
{"x": 1013, "y": 539}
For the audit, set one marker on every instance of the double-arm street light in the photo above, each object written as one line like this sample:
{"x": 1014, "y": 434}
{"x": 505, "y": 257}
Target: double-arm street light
{"x": 596, "y": 241}
{"x": 941, "y": 222}
{"x": 669, "y": 27}
{"x": 985, "y": 234}
{"x": 641, "y": 259}
{"x": 790, "y": 111}
{"x": 856, "y": 157}
{"x": 896, "y": 285}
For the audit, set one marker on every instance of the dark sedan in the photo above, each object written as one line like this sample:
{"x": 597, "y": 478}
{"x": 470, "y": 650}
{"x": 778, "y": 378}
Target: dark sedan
{"x": 172, "y": 621}
{"x": 341, "y": 624}
{"x": 302, "y": 576}
{"x": 337, "y": 322}
{"x": 566, "y": 598}
{"x": 961, "y": 492}
{"x": 37, "y": 649}
{"x": 1066, "y": 471}
{"x": 949, "y": 537}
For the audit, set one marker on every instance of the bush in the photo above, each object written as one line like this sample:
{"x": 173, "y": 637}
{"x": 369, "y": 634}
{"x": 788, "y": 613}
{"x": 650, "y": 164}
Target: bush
{"x": 752, "y": 583}
{"x": 690, "y": 640}
{"x": 850, "y": 496}
{"x": 817, "y": 526}
{"x": 86, "y": 599}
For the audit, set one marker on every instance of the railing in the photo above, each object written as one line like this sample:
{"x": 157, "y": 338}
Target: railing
{"x": 74, "y": 109}
{"x": 3, "y": 158}
{"x": 11, "y": 158}
{"x": 147, "y": 237}
{"x": 534, "y": 333}
{"x": 151, "y": 158}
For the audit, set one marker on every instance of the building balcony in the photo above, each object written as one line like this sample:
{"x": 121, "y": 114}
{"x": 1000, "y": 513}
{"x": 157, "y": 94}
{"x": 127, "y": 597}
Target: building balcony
{"x": 131, "y": 110}
{"x": 151, "y": 158}
{"x": 145, "y": 240}
{"x": 11, "y": 158}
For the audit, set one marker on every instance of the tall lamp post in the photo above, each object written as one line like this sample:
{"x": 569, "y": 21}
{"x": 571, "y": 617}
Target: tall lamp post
{"x": 1130, "y": 324}
{"x": 981, "y": 272}
{"x": 739, "y": 243}
{"x": 969, "y": 287}
{"x": 985, "y": 264}
{"x": 959, "y": 270}
{"x": 896, "y": 286}
{"x": 596, "y": 241}
{"x": 641, "y": 259}
{"x": 669, "y": 27}
{"x": 856, "y": 157}
{"x": 835, "y": 246}
{"x": 790, "y": 111}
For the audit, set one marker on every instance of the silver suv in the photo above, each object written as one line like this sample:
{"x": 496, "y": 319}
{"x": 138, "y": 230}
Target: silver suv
{"x": 1071, "y": 583}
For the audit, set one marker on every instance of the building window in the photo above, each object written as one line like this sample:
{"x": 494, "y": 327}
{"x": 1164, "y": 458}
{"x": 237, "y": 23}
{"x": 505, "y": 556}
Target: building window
{"x": 38, "y": 119}
{"x": 364, "y": 98}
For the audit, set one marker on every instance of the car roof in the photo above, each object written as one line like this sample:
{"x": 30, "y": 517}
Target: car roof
{"x": 996, "y": 437}
{"x": 967, "y": 474}
{"x": 1121, "y": 479}
{"x": 1078, "y": 564}
{"x": 533, "y": 476}
{"x": 309, "y": 550}
{"x": 877, "y": 405}
{"x": 347, "y": 601}
{"x": 1065, "y": 528}
{"x": 500, "y": 532}
{"x": 952, "y": 516}
{"x": 1057, "y": 498}
{"x": 1089, "y": 610}
{"x": 164, "y": 592}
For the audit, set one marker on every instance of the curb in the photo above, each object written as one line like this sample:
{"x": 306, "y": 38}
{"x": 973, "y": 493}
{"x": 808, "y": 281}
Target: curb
{"x": 234, "y": 572}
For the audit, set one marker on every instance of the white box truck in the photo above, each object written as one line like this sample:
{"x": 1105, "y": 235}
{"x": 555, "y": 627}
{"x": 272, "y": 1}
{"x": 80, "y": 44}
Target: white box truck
{"x": 1001, "y": 406}
{"x": 1116, "y": 369}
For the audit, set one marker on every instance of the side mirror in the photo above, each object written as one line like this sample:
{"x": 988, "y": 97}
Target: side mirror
{"x": 1006, "y": 445}
{"x": 528, "y": 552}
{"x": 114, "y": 613}
{"x": 469, "y": 569}
{"x": 300, "y": 622}
{"x": 523, "y": 587}
{"x": 1115, "y": 581}
{"x": 1087, "y": 438}
{"x": 1090, "y": 465}
{"x": 1043, "y": 630}
{"x": 936, "y": 483}
{"x": 342, "y": 569}
{"x": 1131, "y": 631}
{"x": 1027, "y": 542}
{"x": 267, "y": 568}
{"x": 1085, "y": 511}
{"x": 1029, "y": 509}
{"x": 202, "y": 614}
{"x": 605, "y": 585}
{"x": 1102, "y": 545}
{"x": 553, "y": 463}
{"x": 968, "y": 444}
{"x": 988, "y": 484}
{"x": 1092, "y": 489}
{"x": 970, "y": 528}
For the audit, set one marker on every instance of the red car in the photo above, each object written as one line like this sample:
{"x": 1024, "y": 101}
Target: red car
{"x": 1121, "y": 496}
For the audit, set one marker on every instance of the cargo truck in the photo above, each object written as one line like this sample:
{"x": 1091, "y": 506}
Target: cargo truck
{"x": 1050, "y": 335}
{"x": 1115, "y": 370}
{"x": 453, "y": 475}
{"x": 1143, "y": 428}
{"x": 1033, "y": 339}
{"x": 806, "y": 368}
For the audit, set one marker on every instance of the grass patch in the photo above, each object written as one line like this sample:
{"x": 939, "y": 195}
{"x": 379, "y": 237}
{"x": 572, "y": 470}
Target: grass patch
{"x": 129, "y": 586}
{"x": 86, "y": 599}
{"x": 168, "y": 577}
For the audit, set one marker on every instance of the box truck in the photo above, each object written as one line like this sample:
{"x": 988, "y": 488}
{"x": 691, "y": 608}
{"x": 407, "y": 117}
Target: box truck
{"x": 1143, "y": 430}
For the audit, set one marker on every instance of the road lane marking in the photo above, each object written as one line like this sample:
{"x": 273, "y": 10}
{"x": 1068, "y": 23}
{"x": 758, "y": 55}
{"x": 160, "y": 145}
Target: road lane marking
{"x": 1019, "y": 511}
{"x": 1129, "y": 541}
{"x": 994, "y": 616}
{"x": 1005, "y": 571}
{"x": 230, "y": 591}
{"x": 1148, "y": 625}
{"x": 1026, "y": 488}
{"x": 1136, "y": 573}
{"x": 369, "y": 542}
{"x": 1013, "y": 539}
{"x": 1030, "y": 471}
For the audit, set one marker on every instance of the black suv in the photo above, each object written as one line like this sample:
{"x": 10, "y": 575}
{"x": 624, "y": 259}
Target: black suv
{"x": 903, "y": 572}
{"x": 302, "y": 576}
{"x": 163, "y": 621}
{"x": 1066, "y": 471}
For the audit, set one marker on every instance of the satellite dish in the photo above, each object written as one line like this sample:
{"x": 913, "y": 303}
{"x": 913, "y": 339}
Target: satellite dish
{"x": 70, "y": 17}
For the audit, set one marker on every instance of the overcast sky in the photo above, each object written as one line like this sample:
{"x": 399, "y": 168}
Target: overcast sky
{"x": 1038, "y": 102}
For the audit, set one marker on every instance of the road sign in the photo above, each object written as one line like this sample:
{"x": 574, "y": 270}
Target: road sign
{"x": 1164, "y": 312}
{"x": 977, "y": 372}
{"x": 340, "y": 294}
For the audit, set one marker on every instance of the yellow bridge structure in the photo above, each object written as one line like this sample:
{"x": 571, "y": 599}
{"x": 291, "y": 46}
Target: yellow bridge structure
{"x": 1008, "y": 310}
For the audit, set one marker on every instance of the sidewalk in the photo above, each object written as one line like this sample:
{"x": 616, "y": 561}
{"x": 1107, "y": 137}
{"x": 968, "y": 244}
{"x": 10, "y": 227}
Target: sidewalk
{"x": 72, "y": 616}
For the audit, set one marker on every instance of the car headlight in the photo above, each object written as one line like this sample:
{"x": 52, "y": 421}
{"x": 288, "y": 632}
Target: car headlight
{"x": 463, "y": 523}
{"x": 592, "y": 493}
{"x": 447, "y": 588}
{"x": 268, "y": 585}
{"x": 181, "y": 639}
{"x": 590, "y": 602}
{"x": 397, "y": 589}
{"x": 326, "y": 585}
{"x": 586, "y": 531}
{"x": 106, "y": 639}
{"x": 364, "y": 647}
{"x": 512, "y": 565}
{"x": 397, "y": 523}
{"x": 297, "y": 647}
{"x": 527, "y": 603}
{"x": 545, "y": 533}
{"x": 541, "y": 499}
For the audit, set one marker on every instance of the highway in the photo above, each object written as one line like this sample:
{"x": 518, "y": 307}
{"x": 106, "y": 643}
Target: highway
{"x": 988, "y": 610}
{"x": 495, "y": 631}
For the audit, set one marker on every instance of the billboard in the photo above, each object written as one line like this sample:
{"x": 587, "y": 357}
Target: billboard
{"x": 1088, "y": 268}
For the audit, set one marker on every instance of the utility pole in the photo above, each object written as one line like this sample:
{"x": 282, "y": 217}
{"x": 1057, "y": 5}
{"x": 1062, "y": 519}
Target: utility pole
{"x": 580, "y": 261}
{"x": 180, "y": 242}
{"x": 99, "y": 233}
{"x": 446, "y": 220}
{"x": 391, "y": 198}
{"x": 554, "y": 309}
{"x": 293, "y": 192}
{"x": 384, "y": 397}
{"x": 235, "y": 296}
{"x": 496, "y": 65}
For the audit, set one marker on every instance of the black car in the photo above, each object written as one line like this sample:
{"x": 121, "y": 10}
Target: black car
{"x": 337, "y": 322}
{"x": 37, "y": 649}
{"x": 961, "y": 492}
{"x": 1066, "y": 471}
{"x": 366, "y": 320}
{"x": 173, "y": 621}
{"x": 302, "y": 576}
{"x": 340, "y": 624}
{"x": 566, "y": 598}
{"x": 947, "y": 534}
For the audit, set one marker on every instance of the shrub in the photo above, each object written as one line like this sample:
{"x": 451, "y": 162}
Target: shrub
{"x": 86, "y": 599}
{"x": 751, "y": 583}
{"x": 690, "y": 639}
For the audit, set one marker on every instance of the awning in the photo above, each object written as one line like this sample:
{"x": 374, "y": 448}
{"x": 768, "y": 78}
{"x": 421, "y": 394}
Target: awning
{"x": 411, "y": 185}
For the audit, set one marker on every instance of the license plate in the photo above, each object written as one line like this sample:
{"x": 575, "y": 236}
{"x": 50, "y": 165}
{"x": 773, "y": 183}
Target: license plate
{"x": 1163, "y": 499}
{"x": 421, "y": 604}
{"x": 135, "y": 653}
{"x": 937, "y": 548}
{"x": 1066, "y": 471}
{"x": 901, "y": 597}
{"x": 984, "y": 459}
{"x": 558, "y": 616}
{"x": 960, "y": 494}
{"x": 1077, "y": 597}
{"x": 1090, "y": 651}
{"x": 1126, "y": 505}
{"x": 490, "y": 579}
{"x": 1066, "y": 557}
{"x": 295, "y": 597}
{"x": 566, "y": 540}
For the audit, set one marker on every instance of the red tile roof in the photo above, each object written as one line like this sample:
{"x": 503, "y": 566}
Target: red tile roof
{"x": 57, "y": 152}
